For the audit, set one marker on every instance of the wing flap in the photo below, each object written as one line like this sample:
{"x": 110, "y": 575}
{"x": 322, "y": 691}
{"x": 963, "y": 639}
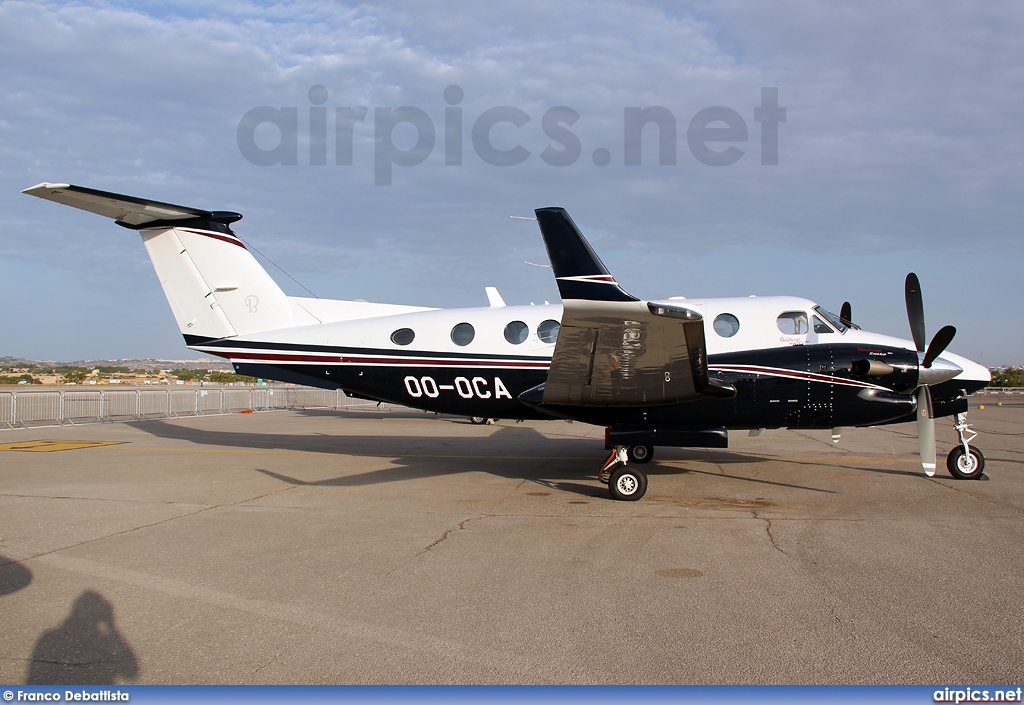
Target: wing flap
{"x": 618, "y": 354}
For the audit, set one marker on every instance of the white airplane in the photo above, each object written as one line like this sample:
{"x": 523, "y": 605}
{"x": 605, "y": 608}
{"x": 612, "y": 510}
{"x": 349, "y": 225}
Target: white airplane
{"x": 678, "y": 372}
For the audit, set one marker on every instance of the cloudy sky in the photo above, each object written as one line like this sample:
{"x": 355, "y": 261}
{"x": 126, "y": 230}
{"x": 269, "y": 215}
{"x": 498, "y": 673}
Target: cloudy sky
{"x": 901, "y": 150}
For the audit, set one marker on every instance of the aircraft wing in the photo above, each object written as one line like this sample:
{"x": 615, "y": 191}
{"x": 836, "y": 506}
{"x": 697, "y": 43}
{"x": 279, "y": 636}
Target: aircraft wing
{"x": 612, "y": 348}
{"x": 126, "y": 210}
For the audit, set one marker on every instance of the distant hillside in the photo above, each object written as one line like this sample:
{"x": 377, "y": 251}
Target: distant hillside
{"x": 133, "y": 363}
{"x": 16, "y": 362}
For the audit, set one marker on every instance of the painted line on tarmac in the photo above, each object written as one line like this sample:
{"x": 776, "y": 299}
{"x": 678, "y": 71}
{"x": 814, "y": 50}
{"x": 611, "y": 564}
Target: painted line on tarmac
{"x": 48, "y": 446}
{"x": 277, "y": 451}
{"x": 449, "y": 456}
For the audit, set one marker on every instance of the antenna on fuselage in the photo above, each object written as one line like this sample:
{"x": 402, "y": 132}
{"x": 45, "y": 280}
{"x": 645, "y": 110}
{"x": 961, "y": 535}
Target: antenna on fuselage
{"x": 494, "y": 298}
{"x": 532, "y": 264}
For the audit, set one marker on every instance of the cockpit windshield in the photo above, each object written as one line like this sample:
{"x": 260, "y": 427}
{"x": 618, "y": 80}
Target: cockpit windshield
{"x": 833, "y": 319}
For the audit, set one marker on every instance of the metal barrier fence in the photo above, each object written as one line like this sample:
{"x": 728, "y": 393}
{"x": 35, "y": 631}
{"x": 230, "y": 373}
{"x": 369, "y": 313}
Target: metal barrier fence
{"x": 1013, "y": 396}
{"x": 56, "y": 407}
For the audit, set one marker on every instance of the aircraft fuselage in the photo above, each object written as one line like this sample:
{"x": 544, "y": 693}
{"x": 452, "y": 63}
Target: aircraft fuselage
{"x": 805, "y": 379}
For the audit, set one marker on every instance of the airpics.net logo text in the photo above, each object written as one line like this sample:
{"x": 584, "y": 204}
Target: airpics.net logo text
{"x": 715, "y": 136}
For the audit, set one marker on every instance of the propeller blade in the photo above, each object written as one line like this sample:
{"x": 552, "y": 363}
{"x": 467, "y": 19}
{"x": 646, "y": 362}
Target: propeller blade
{"x": 938, "y": 345}
{"x": 926, "y": 430}
{"x": 846, "y": 314}
{"x": 915, "y": 310}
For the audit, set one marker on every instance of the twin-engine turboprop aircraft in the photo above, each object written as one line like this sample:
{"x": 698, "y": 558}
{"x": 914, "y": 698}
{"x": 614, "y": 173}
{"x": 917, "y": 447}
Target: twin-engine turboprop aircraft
{"x": 678, "y": 372}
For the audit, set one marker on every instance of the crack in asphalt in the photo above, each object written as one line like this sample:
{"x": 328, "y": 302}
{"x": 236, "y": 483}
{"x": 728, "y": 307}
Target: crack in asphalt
{"x": 75, "y": 664}
{"x": 147, "y": 526}
{"x": 768, "y": 532}
{"x": 449, "y": 532}
{"x": 945, "y": 483}
{"x": 438, "y": 541}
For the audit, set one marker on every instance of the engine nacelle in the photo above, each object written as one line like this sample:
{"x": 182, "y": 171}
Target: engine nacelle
{"x": 675, "y": 436}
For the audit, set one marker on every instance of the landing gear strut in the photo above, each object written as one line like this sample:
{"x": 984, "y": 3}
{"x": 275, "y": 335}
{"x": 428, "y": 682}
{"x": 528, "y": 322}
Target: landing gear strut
{"x": 624, "y": 482}
{"x": 965, "y": 462}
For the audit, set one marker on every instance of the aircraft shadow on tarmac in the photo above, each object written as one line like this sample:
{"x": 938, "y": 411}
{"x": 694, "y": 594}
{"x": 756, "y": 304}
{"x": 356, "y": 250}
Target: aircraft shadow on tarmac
{"x": 13, "y": 576}
{"x": 511, "y": 452}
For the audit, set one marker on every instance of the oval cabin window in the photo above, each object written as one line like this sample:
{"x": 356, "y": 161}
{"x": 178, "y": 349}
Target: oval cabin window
{"x": 548, "y": 331}
{"x": 727, "y": 325}
{"x": 463, "y": 334}
{"x": 403, "y": 336}
{"x": 516, "y": 332}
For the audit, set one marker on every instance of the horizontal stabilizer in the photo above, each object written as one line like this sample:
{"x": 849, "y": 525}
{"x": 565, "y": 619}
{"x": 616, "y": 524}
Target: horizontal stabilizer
{"x": 126, "y": 210}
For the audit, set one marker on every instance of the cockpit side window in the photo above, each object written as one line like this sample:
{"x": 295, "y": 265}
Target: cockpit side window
{"x": 792, "y": 322}
{"x": 820, "y": 326}
{"x": 832, "y": 318}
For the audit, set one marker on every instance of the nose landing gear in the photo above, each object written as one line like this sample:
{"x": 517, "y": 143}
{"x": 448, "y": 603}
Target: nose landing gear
{"x": 965, "y": 462}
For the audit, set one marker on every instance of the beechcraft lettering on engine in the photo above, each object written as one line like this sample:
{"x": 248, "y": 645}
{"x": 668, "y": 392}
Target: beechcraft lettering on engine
{"x": 675, "y": 372}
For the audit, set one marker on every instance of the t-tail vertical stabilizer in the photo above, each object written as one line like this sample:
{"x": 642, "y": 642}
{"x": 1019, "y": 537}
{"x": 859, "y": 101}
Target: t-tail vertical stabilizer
{"x": 215, "y": 287}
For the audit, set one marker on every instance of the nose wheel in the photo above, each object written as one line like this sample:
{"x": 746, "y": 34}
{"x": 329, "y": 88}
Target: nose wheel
{"x": 965, "y": 462}
{"x": 625, "y": 483}
{"x": 969, "y": 465}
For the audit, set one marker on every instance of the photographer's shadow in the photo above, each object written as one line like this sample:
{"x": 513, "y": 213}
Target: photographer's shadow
{"x": 86, "y": 649}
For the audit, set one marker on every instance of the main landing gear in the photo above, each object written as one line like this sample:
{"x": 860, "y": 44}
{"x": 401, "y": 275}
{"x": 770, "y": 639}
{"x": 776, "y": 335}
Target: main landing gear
{"x": 965, "y": 462}
{"x": 624, "y": 482}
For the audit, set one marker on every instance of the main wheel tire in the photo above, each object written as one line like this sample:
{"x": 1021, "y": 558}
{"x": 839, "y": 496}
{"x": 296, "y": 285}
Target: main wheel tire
{"x": 963, "y": 466}
{"x": 627, "y": 484}
{"x": 640, "y": 453}
{"x": 478, "y": 420}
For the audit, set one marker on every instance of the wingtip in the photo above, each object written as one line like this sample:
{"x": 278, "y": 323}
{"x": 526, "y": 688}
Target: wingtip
{"x": 45, "y": 186}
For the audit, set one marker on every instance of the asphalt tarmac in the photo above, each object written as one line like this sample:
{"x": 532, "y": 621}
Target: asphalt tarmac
{"x": 361, "y": 547}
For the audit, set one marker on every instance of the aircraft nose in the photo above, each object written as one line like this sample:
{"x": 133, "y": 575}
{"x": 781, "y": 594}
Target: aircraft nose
{"x": 940, "y": 371}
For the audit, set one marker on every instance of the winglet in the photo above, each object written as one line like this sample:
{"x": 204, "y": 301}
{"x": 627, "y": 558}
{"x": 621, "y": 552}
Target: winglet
{"x": 579, "y": 272}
